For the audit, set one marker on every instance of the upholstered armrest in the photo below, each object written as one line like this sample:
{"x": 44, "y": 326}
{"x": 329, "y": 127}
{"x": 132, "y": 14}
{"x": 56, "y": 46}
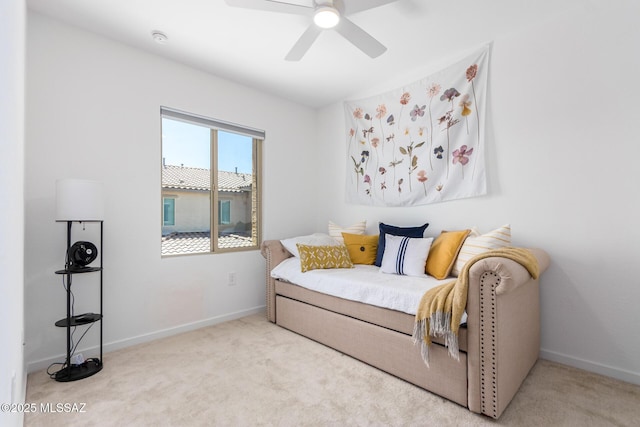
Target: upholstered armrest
{"x": 511, "y": 273}
{"x": 274, "y": 253}
{"x": 503, "y": 330}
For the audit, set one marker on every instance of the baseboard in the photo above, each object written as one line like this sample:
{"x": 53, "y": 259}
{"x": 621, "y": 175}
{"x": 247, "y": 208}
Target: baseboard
{"x": 598, "y": 368}
{"x": 128, "y": 342}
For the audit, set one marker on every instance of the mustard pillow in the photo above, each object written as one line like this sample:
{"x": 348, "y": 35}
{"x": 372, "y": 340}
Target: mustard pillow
{"x": 320, "y": 257}
{"x": 362, "y": 249}
{"x": 444, "y": 252}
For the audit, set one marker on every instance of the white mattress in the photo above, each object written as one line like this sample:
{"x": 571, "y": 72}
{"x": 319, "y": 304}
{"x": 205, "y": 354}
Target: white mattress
{"x": 363, "y": 283}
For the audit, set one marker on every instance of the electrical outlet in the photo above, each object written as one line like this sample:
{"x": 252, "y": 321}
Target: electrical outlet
{"x": 231, "y": 278}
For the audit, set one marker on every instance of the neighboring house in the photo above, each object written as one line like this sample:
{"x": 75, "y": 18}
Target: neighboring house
{"x": 185, "y": 199}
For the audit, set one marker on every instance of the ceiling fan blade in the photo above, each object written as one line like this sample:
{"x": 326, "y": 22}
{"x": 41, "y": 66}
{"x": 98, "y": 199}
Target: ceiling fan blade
{"x": 271, "y": 6}
{"x": 354, "y": 6}
{"x": 360, "y": 38}
{"x": 304, "y": 43}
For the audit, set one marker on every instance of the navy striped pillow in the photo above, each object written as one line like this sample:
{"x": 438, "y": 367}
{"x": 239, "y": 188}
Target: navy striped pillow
{"x": 386, "y": 229}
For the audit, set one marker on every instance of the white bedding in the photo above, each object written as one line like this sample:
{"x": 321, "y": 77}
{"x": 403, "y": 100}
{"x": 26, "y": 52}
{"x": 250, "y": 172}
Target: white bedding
{"x": 363, "y": 283}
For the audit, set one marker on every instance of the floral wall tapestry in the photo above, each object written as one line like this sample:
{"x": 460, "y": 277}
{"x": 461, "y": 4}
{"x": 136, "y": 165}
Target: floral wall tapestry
{"x": 422, "y": 143}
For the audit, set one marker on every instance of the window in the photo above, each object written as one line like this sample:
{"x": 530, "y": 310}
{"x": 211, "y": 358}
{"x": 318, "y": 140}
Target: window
{"x": 210, "y": 185}
{"x": 224, "y": 212}
{"x": 168, "y": 211}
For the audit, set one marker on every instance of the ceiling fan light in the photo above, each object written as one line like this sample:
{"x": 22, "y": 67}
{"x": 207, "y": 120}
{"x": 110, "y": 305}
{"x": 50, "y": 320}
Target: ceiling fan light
{"x": 326, "y": 17}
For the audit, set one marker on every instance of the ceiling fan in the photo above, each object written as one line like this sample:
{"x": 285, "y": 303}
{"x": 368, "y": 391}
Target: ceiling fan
{"x": 326, "y": 14}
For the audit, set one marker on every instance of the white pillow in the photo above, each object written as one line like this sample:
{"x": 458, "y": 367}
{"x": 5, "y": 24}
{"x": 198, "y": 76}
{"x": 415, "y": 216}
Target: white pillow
{"x": 315, "y": 239}
{"x": 405, "y": 255}
{"x": 476, "y": 244}
{"x": 336, "y": 231}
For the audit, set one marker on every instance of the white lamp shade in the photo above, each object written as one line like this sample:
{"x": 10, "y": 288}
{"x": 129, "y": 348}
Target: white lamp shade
{"x": 79, "y": 200}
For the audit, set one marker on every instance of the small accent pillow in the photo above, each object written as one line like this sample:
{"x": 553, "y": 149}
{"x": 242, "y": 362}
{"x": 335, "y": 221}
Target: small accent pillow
{"x": 336, "y": 231}
{"x": 316, "y": 239}
{"x": 405, "y": 255}
{"x": 362, "y": 249}
{"x": 443, "y": 253}
{"x": 417, "y": 232}
{"x": 322, "y": 257}
{"x": 475, "y": 245}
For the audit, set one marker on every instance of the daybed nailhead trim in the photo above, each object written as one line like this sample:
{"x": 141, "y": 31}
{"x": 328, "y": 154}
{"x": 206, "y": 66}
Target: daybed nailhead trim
{"x": 488, "y": 404}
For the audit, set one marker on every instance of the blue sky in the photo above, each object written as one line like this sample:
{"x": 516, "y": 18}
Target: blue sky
{"x": 184, "y": 143}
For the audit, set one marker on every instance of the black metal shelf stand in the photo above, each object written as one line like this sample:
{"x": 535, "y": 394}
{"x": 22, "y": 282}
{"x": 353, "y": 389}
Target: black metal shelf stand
{"x": 91, "y": 366}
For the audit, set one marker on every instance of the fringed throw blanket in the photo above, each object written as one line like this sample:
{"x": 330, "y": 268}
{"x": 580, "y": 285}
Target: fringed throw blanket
{"x": 441, "y": 308}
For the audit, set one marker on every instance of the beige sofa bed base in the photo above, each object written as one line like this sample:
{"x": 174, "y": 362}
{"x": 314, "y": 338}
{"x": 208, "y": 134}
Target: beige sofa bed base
{"x": 499, "y": 344}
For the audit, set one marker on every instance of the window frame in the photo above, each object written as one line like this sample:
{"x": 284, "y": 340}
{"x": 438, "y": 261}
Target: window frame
{"x": 257, "y": 137}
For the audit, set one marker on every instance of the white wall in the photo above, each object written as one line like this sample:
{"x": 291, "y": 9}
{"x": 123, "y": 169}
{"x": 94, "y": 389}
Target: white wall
{"x": 562, "y": 169}
{"x": 93, "y": 111}
{"x": 12, "y": 58}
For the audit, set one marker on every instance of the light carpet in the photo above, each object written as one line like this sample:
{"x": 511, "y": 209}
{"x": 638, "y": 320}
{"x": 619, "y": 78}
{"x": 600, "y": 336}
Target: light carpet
{"x": 250, "y": 372}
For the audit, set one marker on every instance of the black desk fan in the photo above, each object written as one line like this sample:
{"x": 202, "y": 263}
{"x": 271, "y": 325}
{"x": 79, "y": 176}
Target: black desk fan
{"x": 80, "y": 255}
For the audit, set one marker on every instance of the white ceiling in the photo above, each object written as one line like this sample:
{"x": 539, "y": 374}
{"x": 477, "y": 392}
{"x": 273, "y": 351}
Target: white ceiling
{"x": 249, "y": 46}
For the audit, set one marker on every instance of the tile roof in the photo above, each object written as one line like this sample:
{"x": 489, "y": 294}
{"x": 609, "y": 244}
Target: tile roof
{"x": 199, "y": 242}
{"x": 187, "y": 178}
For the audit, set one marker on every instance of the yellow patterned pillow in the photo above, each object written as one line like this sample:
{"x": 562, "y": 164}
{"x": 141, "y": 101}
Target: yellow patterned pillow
{"x": 320, "y": 257}
{"x": 477, "y": 244}
{"x": 443, "y": 253}
{"x": 362, "y": 249}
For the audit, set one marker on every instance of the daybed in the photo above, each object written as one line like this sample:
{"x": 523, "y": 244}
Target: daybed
{"x": 499, "y": 343}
